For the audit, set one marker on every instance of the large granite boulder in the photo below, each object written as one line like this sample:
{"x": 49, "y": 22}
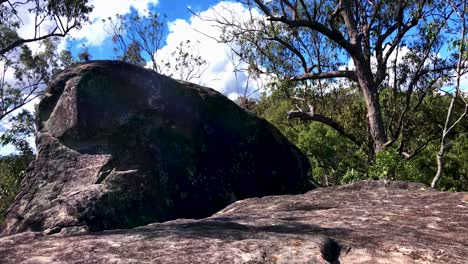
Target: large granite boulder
{"x": 366, "y": 222}
{"x": 120, "y": 146}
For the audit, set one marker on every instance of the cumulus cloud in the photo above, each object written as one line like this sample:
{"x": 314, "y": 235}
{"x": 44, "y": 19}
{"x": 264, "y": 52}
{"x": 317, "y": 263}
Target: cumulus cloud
{"x": 220, "y": 71}
{"x": 203, "y": 33}
{"x": 94, "y": 34}
{"x": 91, "y": 34}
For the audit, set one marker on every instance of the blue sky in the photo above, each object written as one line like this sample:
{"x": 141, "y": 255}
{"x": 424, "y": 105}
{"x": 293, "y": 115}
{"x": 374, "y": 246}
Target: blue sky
{"x": 172, "y": 9}
{"x": 181, "y": 26}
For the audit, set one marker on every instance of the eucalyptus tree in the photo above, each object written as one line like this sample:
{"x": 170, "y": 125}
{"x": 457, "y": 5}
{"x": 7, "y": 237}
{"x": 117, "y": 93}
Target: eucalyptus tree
{"x": 453, "y": 119}
{"x": 185, "y": 62}
{"x": 23, "y": 73}
{"x": 136, "y": 36}
{"x": 379, "y": 46}
{"x": 139, "y": 38}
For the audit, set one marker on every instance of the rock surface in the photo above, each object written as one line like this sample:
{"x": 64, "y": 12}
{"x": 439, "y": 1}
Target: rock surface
{"x": 120, "y": 146}
{"x": 367, "y": 222}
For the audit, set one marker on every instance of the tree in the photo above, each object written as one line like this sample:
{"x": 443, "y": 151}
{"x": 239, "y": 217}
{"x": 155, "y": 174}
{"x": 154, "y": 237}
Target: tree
{"x": 12, "y": 170}
{"x": 52, "y": 18}
{"x": 332, "y": 157}
{"x": 134, "y": 34}
{"x": 22, "y": 128}
{"x": 247, "y": 83}
{"x": 24, "y": 73}
{"x": 13, "y": 167}
{"x": 84, "y": 55}
{"x": 449, "y": 125}
{"x": 29, "y": 75}
{"x": 337, "y": 160}
{"x": 185, "y": 63}
{"x": 133, "y": 54}
{"x": 139, "y": 38}
{"x": 324, "y": 43}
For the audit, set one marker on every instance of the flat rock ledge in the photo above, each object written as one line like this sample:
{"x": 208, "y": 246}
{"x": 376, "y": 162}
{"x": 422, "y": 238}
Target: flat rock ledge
{"x": 366, "y": 222}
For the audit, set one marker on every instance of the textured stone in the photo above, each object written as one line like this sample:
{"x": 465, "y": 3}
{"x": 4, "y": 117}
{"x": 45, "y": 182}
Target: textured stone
{"x": 366, "y": 222}
{"x": 120, "y": 146}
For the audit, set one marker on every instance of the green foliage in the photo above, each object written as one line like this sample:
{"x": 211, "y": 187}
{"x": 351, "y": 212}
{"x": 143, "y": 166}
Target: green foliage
{"x": 387, "y": 165}
{"x": 12, "y": 170}
{"x": 133, "y": 54}
{"x": 456, "y": 166}
{"x": 308, "y": 46}
{"x": 337, "y": 160}
{"x": 72, "y": 9}
{"x": 137, "y": 37}
{"x": 32, "y": 73}
{"x": 8, "y": 35}
{"x": 60, "y": 17}
{"x": 351, "y": 176}
{"x": 330, "y": 154}
{"x": 22, "y": 129}
{"x": 185, "y": 63}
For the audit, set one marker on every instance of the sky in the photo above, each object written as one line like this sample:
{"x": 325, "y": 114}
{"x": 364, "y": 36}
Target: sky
{"x": 182, "y": 25}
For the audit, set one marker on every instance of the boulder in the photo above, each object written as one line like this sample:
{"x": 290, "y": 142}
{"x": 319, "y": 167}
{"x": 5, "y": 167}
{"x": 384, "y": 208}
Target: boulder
{"x": 121, "y": 146}
{"x": 366, "y": 222}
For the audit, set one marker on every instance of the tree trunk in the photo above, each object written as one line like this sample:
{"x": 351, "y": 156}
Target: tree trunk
{"x": 371, "y": 97}
{"x": 374, "y": 117}
{"x": 440, "y": 165}
{"x": 459, "y": 71}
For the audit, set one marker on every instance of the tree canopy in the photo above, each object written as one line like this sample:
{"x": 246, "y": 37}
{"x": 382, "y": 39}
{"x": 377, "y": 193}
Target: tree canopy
{"x": 32, "y": 22}
{"x": 317, "y": 46}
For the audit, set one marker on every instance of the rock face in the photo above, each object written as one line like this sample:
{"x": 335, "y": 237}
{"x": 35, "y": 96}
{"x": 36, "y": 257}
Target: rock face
{"x": 120, "y": 146}
{"x": 367, "y": 222}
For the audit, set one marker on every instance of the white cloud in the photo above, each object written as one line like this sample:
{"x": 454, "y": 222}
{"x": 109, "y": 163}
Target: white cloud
{"x": 8, "y": 74}
{"x": 5, "y": 125}
{"x": 94, "y": 34}
{"x": 8, "y": 150}
{"x": 233, "y": 96}
{"x": 464, "y": 83}
{"x": 202, "y": 33}
{"x": 90, "y": 34}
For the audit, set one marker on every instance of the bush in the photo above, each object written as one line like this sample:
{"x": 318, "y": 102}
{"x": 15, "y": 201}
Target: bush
{"x": 12, "y": 170}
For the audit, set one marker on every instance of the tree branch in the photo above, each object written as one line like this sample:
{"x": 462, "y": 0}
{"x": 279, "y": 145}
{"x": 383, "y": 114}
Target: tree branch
{"x": 326, "y": 75}
{"x": 333, "y": 34}
{"x": 310, "y": 116}
{"x": 19, "y": 42}
{"x": 293, "y": 50}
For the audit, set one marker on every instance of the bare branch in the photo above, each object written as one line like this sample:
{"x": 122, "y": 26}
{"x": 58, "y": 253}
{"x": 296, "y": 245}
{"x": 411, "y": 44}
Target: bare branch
{"x": 293, "y": 49}
{"x": 19, "y": 42}
{"x": 326, "y": 75}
